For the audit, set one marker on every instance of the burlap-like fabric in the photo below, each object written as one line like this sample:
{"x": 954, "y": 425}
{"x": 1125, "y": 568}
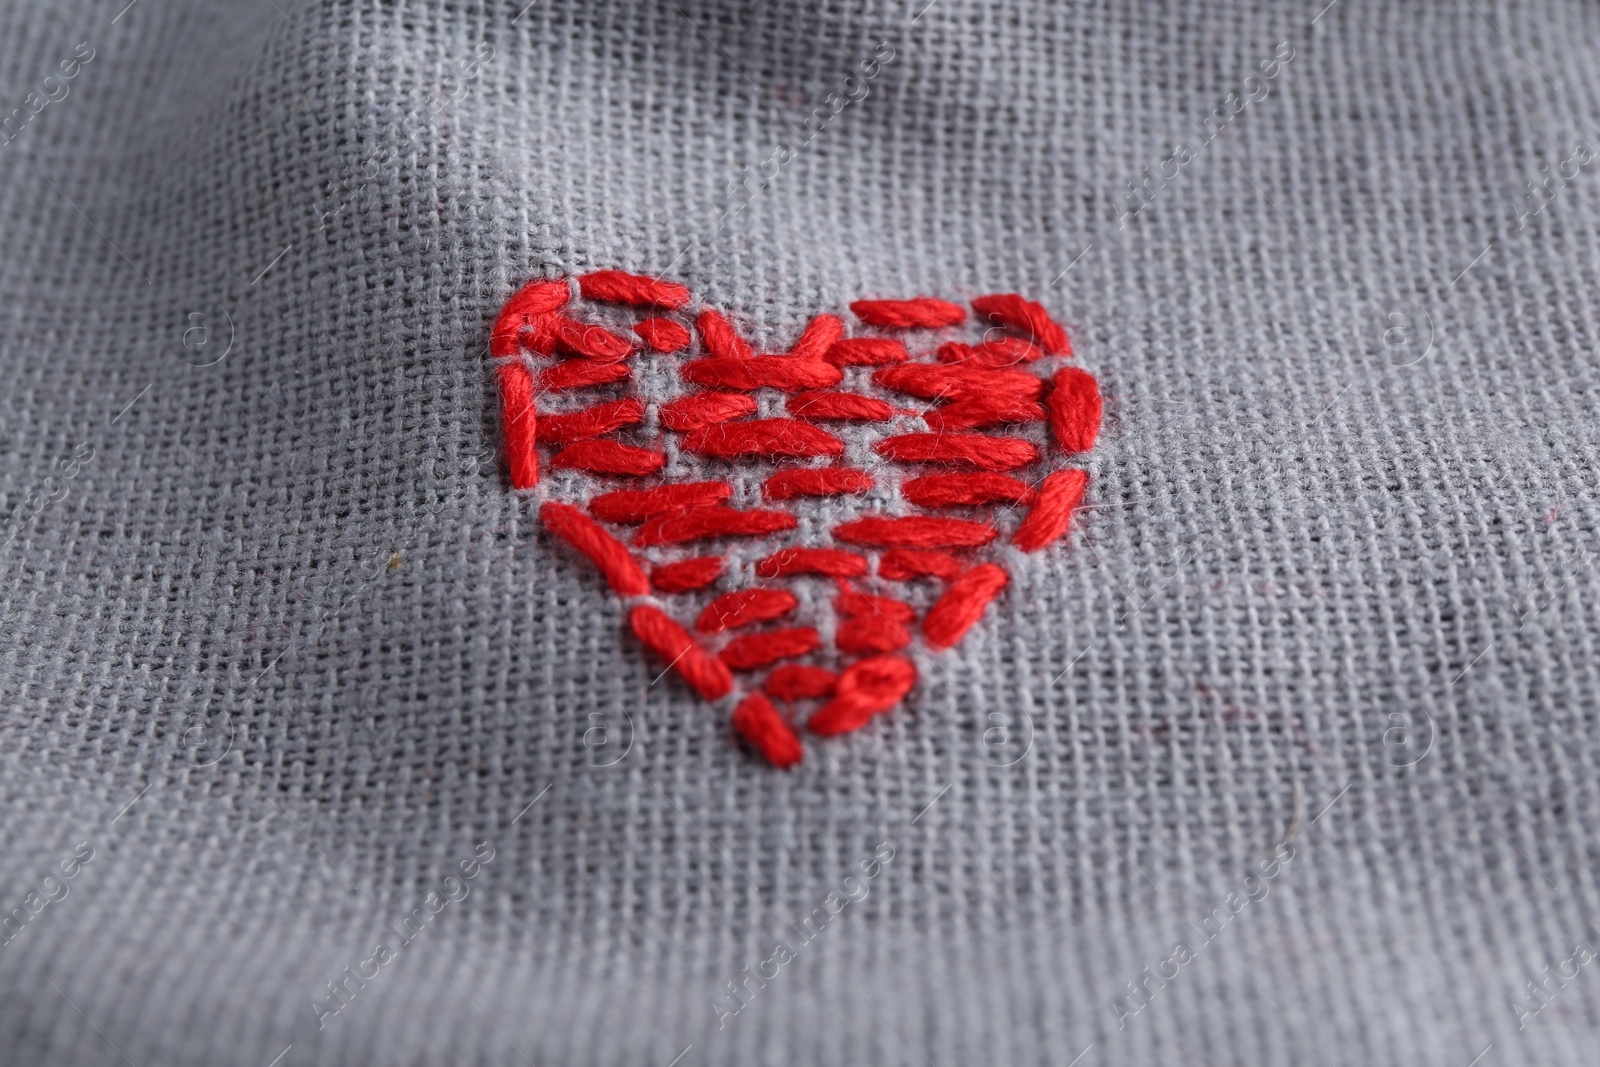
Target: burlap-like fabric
{"x": 286, "y": 661}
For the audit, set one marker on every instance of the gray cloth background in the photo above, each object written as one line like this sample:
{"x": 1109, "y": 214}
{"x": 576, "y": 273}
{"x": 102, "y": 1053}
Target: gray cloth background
{"x": 282, "y": 649}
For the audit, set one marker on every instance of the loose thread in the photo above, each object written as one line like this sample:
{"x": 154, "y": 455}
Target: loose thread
{"x": 815, "y": 481}
{"x": 915, "y": 531}
{"x": 1074, "y": 405}
{"x": 1025, "y": 317}
{"x": 965, "y": 490}
{"x": 520, "y": 423}
{"x": 865, "y": 689}
{"x": 608, "y": 457}
{"x": 701, "y": 524}
{"x": 590, "y": 422}
{"x": 1059, "y": 494}
{"x": 923, "y": 312}
{"x": 962, "y": 604}
{"x": 762, "y": 437}
{"x": 758, "y": 722}
{"x": 705, "y": 673}
{"x": 686, "y": 575}
{"x": 622, "y": 571}
{"x": 799, "y": 681}
{"x": 663, "y": 335}
{"x": 743, "y": 608}
{"x": 703, "y": 409}
{"x": 983, "y": 452}
{"x": 754, "y": 651}
{"x": 619, "y": 287}
{"x": 633, "y": 506}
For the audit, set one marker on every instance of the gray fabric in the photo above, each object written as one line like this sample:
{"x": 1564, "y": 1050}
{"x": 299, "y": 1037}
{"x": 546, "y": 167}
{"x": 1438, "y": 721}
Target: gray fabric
{"x": 285, "y": 650}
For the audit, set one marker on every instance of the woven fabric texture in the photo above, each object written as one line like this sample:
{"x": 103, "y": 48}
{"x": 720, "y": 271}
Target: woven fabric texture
{"x": 1288, "y": 757}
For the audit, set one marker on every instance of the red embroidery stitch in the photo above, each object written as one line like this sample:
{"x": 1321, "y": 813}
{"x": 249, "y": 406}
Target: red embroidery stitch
{"x": 704, "y": 524}
{"x": 533, "y": 303}
{"x": 608, "y": 457}
{"x": 579, "y": 375}
{"x": 867, "y": 352}
{"x": 999, "y": 352}
{"x": 1075, "y": 410}
{"x": 904, "y": 564}
{"x": 590, "y": 342}
{"x": 815, "y": 481}
{"x": 633, "y": 506}
{"x": 1027, "y": 318}
{"x": 520, "y": 423}
{"x": 732, "y": 610}
{"x": 823, "y": 405}
{"x": 686, "y": 575}
{"x": 762, "y": 437}
{"x": 546, "y": 342}
{"x": 702, "y": 409}
{"x": 622, "y": 571}
{"x": 663, "y": 335}
{"x": 923, "y": 312}
{"x": 916, "y": 531}
{"x": 871, "y": 624}
{"x": 833, "y": 562}
{"x": 762, "y": 372}
{"x": 799, "y": 681}
{"x": 617, "y": 287}
{"x": 1060, "y": 493}
{"x": 721, "y": 339}
{"x": 759, "y": 723}
{"x": 818, "y": 339}
{"x": 754, "y": 651}
{"x": 965, "y": 490}
{"x": 976, "y": 450}
{"x": 862, "y": 691}
{"x": 705, "y": 673}
{"x": 962, "y": 604}
{"x": 590, "y": 422}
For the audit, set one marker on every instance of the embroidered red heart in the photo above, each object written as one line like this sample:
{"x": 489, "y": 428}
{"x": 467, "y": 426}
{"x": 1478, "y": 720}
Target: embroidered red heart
{"x": 796, "y": 517}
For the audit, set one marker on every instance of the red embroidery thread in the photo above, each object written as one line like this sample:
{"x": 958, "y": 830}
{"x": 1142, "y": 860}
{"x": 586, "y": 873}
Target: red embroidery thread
{"x": 686, "y": 575}
{"x": 864, "y": 689}
{"x": 758, "y": 722}
{"x": 615, "y": 286}
{"x": 704, "y": 672}
{"x": 541, "y": 345}
{"x": 743, "y": 607}
{"x": 1027, "y": 318}
{"x": 754, "y": 651}
{"x": 815, "y": 481}
{"x": 921, "y": 312}
{"x": 962, "y": 604}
